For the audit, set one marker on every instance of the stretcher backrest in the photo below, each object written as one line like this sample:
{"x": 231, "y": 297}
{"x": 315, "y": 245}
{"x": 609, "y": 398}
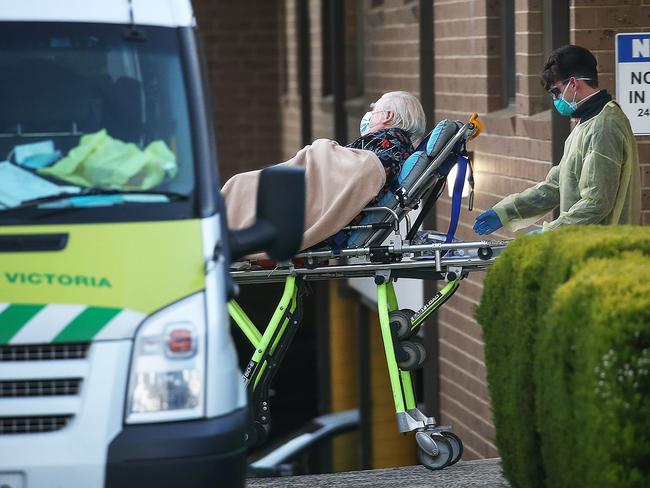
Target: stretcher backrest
{"x": 427, "y": 151}
{"x": 413, "y": 168}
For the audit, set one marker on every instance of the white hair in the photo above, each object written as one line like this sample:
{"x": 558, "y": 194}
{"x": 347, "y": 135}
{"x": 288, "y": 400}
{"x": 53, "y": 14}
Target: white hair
{"x": 408, "y": 113}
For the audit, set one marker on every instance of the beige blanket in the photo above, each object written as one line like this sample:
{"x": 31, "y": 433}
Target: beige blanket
{"x": 340, "y": 181}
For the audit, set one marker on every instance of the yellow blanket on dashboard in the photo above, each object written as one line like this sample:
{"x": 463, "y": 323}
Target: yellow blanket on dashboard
{"x": 100, "y": 161}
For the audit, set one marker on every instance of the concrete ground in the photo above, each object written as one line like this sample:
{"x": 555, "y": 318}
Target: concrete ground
{"x": 481, "y": 473}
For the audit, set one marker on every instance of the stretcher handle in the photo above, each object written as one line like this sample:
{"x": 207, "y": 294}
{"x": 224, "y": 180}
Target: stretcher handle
{"x": 475, "y": 126}
{"x": 387, "y": 210}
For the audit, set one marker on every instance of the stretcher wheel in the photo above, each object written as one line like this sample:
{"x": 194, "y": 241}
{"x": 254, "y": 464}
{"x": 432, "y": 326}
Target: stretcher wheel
{"x": 400, "y": 322}
{"x": 413, "y": 354}
{"x": 485, "y": 253}
{"x": 311, "y": 263}
{"x": 456, "y": 446}
{"x": 261, "y": 432}
{"x": 256, "y": 433}
{"x": 437, "y": 451}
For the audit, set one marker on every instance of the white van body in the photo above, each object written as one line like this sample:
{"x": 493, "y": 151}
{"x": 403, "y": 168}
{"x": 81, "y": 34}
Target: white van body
{"x": 112, "y": 375}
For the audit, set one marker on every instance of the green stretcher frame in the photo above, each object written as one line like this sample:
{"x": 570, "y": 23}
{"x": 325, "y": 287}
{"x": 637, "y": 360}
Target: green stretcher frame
{"x": 271, "y": 346}
{"x": 400, "y": 380}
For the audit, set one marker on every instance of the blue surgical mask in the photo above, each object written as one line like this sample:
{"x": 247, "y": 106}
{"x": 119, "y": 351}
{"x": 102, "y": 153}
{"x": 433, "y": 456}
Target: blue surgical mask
{"x": 36, "y": 155}
{"x": 37, "y": 161}
{"x": 365, "y": 123}
{"x": 565, "y": 107}
{"x": 562, "y": 105}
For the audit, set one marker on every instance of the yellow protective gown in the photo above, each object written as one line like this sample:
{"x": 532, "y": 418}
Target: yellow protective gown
{"x": 596, "y": 182}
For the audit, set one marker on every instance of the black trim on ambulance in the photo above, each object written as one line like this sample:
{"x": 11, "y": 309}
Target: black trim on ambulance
{"x": 203, "y": 133}
{"x": 199, "y": 453}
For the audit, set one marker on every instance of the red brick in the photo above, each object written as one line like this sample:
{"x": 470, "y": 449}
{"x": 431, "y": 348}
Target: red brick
{"x": 451, "y": 406}
{"x": 513, "y": 154}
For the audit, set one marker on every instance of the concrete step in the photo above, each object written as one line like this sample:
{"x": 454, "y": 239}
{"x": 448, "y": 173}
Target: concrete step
{"x": 484, "y": 473}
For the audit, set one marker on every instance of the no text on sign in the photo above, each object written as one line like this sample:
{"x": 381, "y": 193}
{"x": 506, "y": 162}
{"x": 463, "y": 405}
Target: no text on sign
{"x": 633, "y": 79}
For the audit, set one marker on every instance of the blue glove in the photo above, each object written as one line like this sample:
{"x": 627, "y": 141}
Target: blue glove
{"x": 534, "y": 231}
{"x": 487, "y": 222}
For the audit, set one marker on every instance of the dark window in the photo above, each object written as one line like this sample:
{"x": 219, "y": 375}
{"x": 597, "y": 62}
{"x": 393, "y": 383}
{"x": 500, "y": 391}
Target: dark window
{"x": 284, "y": 64}
{"x": 352, "y": 46}
{"x": 326, "y": 40}
{"x": 354, "y": 49}
{"x": 508, "y": 69}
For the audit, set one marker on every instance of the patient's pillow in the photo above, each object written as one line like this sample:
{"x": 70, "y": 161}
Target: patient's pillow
{"x": 412, "y": 169}
{"x": 441, "y": 135}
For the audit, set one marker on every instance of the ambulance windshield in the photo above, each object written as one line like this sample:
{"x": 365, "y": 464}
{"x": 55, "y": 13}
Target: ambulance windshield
{"x": 94, "y": 113}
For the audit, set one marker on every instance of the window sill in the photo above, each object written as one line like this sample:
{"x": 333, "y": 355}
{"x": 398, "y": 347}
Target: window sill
{"x": 501, "y": 122}
{"x": 352, "y": 106}
{"x": 507, "y": 122}
{"x": 536, "y": 126}
{"x": 327, "y": 104}
{"x": 356, "y": 105}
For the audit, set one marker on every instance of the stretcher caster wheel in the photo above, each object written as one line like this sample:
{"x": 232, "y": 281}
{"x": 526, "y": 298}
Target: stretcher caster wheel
{"x": 434, "y": 450}
{"x": 411, "y": 354}
{"x": 400, "y": 322}
{"x": 456, "y": 446}
{"x": 485, "y": 253}
{"x": 256, "y": 433}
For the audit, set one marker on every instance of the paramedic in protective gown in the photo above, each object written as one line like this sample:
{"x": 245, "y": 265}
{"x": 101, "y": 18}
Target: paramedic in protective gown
{"x": 597, "y": 180}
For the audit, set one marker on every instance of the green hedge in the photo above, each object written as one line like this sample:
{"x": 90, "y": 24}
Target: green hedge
{"x": 591, "y": 375}
{"x": 519, "y": 290}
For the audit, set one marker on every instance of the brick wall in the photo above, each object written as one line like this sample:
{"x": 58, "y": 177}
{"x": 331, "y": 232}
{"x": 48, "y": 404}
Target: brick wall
{"x": 289, "y": 99}
{"x": 512, "y": 154}
{"x": 391, "y": 45}
{"x": 467, "y": 78}
{"x": 594, "y": 24}
{"x": 242, "y": 46}
{"x": 390, "y": 62}
{"x": 246, "y": 50}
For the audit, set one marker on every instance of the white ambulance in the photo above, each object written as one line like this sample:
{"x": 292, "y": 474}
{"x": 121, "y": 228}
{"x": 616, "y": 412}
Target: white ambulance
{"x": 116, "y": 363}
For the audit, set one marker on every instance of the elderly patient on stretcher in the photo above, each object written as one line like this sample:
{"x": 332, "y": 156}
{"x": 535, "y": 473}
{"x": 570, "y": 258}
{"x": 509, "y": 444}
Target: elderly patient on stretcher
{"x": 341, "y": 181}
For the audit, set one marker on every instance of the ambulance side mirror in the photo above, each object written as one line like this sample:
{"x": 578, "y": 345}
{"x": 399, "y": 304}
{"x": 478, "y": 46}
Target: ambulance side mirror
{"x": 280, "y": 222}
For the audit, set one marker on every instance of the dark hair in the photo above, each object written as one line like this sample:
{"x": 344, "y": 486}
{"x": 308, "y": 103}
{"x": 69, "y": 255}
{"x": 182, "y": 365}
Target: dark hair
{"x": 568, "y": 61}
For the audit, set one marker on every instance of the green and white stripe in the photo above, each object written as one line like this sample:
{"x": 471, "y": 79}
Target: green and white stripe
{"x": 39, "y": 324}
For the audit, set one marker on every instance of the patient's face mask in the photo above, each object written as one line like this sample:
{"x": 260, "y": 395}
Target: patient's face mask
{"x": 365, "y": 123}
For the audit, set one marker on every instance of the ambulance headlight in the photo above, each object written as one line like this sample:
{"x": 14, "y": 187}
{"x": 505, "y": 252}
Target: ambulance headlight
{"x": 168, "y": 365}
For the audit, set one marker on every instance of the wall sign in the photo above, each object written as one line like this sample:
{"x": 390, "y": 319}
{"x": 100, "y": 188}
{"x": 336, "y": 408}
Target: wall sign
{"x": 633, "y": 79}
